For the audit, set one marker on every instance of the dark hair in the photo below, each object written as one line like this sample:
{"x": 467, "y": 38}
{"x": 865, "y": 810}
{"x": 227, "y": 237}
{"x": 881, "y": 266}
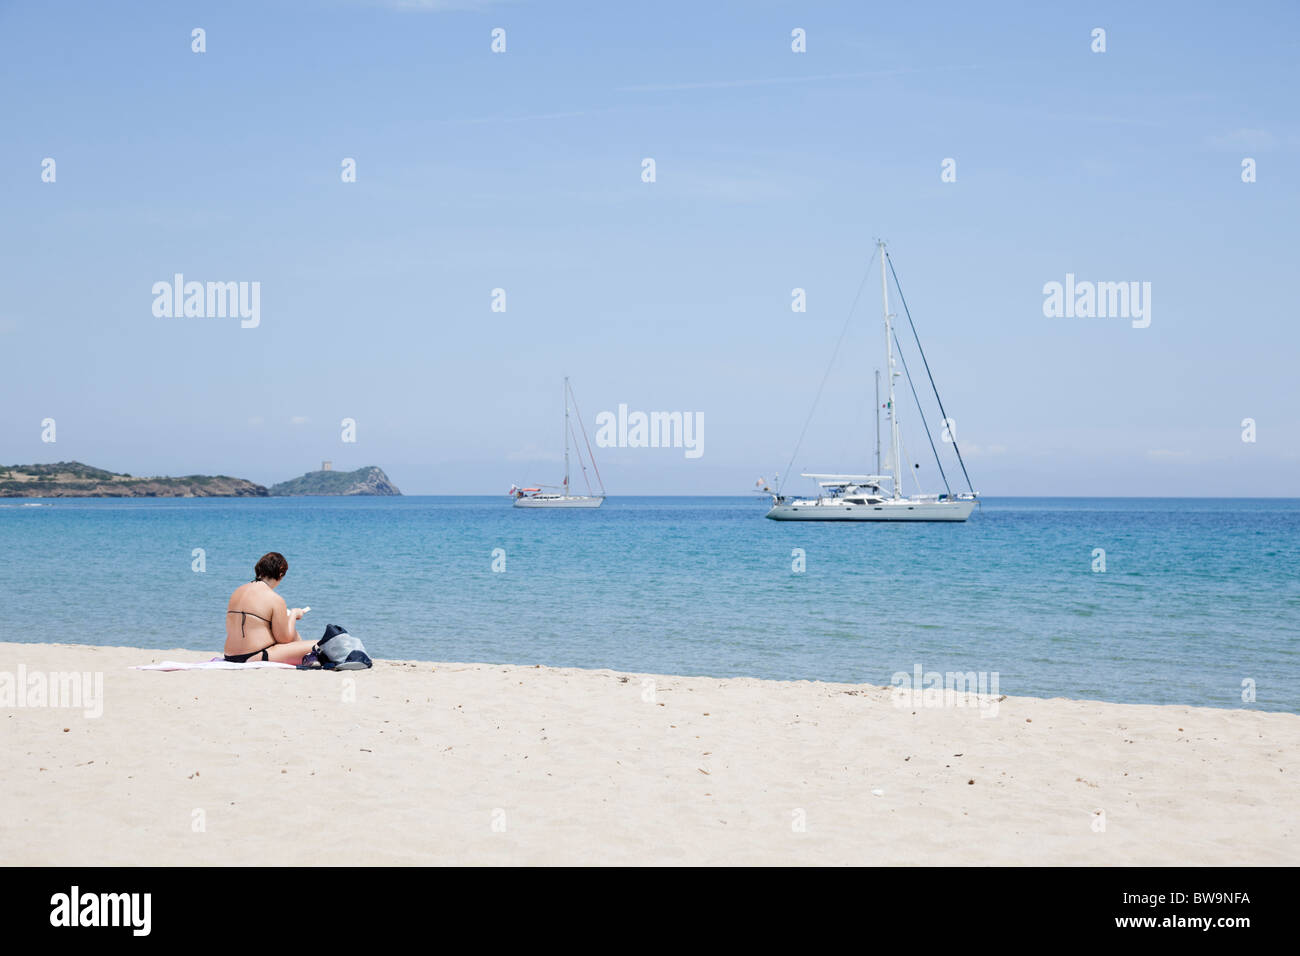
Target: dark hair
{"x": 271, "y": 565}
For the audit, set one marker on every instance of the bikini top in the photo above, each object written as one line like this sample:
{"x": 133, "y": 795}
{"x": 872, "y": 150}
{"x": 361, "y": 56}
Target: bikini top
{"x": 244, "y": 620}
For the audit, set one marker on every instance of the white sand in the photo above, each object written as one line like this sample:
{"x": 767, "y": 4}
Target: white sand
{"x": 576, "y": 767}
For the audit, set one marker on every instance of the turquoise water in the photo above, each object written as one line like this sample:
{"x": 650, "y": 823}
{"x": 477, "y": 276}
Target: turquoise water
{"x": 1196, "y": 595}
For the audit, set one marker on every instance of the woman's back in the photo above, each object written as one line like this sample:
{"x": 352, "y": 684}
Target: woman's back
{"x": 249, "y": 613}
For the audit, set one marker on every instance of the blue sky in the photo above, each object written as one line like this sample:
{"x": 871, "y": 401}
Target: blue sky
{"x": 775, "y": 170}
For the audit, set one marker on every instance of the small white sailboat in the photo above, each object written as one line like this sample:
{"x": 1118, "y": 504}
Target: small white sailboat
{"x": 540, "y": 497}
{"x": 879, "y": 497}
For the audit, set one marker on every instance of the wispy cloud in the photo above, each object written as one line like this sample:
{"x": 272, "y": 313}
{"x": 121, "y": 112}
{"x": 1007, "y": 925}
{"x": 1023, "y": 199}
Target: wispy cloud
{"x": 438, "y": 6}
{"x": 782, "y": 80}
{"x": 1247, "y": 139}
{"x": 982, "y": 451}
{"x": 568, "y": 114}
{"x": 299, "y": 420}
{"x": 735, "y": 187}
{"x": 532, "y": 453}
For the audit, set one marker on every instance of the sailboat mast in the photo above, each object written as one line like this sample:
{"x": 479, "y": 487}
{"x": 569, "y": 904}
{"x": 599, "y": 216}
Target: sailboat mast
{"x": 877, "y": 421}
{"x": 566, "y": 434}
{"x": 890, "y": 373}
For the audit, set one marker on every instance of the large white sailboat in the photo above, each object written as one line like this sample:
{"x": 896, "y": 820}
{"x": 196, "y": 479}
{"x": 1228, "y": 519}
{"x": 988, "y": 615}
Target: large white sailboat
{"x": 879, "y": 497}
{"x": 540, "y": 497}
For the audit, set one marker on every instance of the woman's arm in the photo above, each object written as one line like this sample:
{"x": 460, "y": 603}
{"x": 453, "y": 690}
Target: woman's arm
{"x": 284, "y": 622}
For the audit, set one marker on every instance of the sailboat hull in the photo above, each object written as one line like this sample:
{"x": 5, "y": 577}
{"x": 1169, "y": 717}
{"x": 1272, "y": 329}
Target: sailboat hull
{"x": 559, "y": 501}
{"x": 902, "y": 509}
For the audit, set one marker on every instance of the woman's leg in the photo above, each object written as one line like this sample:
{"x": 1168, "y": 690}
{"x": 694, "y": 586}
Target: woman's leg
{"x": 290, "y": 653}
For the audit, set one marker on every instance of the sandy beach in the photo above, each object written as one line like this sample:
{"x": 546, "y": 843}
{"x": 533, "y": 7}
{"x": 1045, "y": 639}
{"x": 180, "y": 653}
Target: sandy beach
{"x": 423, "y": 763}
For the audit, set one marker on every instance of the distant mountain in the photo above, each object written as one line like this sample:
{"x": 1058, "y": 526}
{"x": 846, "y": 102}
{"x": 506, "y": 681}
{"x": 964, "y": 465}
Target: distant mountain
{"x": 364, "y": 481}
{"x": 72, "y": 479}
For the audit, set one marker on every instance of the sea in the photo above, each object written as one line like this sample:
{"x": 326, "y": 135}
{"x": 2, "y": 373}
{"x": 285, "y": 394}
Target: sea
{"x": 1156, "y": 601}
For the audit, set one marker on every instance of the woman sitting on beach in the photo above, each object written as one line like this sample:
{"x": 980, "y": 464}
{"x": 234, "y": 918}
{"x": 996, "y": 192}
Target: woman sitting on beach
{"x": 259, "y": 626}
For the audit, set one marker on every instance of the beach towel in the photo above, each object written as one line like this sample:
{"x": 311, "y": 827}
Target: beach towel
{"x": 216, "y": 664}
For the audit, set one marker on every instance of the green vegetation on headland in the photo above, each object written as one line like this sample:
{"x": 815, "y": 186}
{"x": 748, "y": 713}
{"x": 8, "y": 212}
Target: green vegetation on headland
{"x": 364, "y": 481}
{"x": 72, "y": 479}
